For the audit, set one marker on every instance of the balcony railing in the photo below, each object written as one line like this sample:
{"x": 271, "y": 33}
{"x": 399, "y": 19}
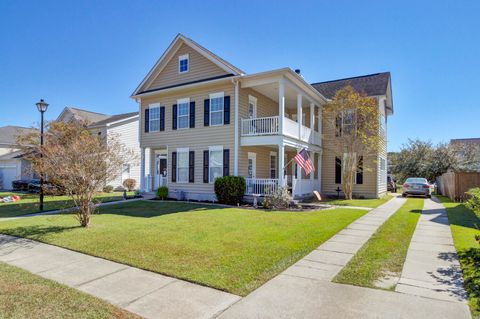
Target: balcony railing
{"x": 270, "y": 126}
{"x": 260, "y": 126}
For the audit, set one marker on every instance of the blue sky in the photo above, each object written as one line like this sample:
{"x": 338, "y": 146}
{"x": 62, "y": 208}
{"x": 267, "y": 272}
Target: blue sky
{"x": 92, "y": 54}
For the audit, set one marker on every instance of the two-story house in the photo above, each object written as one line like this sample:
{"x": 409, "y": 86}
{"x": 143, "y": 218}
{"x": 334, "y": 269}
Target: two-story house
{"x": 201, "y": 118}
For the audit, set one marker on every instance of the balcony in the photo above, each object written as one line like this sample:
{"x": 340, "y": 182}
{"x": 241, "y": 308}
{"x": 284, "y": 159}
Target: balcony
{"x": 268, "y": 126}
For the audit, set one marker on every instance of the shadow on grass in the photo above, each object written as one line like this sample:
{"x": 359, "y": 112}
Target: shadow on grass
{"x": 149, "y": 209}
{"x": 37, "y": 231}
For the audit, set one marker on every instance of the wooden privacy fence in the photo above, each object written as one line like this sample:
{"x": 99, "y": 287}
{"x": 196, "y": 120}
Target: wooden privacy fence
{"x": 455, "y": 184}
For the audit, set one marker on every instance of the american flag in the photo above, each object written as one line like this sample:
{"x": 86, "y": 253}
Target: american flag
{"x": 303, "y": 159}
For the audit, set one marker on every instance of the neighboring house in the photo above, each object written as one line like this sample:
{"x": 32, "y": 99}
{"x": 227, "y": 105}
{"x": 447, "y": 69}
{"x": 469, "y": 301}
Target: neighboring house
{"x": 470, "y": 145}
{"x": 79, "y": 115}
{"x": 12, "y": 166}
{"x": 125, "y": 127}
{"x": 201, "y": 118}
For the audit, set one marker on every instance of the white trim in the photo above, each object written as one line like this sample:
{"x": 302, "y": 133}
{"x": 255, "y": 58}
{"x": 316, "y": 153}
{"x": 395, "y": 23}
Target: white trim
{"x": 215, "y": 148}
{"x": 181, "y": 58}
{"x": 252, "y": 156}
{"x": 181, "y": 150}
{"x": 252, "y": 100}
{"x": 214, "y": 96}
{"x": 236, "y": 135}
{"x": 183, "y": 101}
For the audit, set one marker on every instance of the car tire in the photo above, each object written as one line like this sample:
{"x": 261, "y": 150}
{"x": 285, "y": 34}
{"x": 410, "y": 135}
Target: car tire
{"x": 404, "y": 195}
{"x": 429, "y": 196}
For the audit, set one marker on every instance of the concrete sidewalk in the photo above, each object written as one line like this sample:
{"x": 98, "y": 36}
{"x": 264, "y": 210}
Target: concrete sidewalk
{"x": 147, "y": 294}
{"x": 432, "y": 268}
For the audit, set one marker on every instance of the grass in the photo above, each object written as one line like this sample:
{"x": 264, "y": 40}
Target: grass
{"x": 231, "y": 249}
{"x": 372, "y": 203}
{"x": 464, "y": 225}
{"x": 385, "y": 252}
{"x": 25, "y": 295}
{"x": 29, "y": 203}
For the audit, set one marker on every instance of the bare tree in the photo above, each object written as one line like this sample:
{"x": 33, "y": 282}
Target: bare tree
{"x": 77, "y": 162}
{"x": 352, "y": 132}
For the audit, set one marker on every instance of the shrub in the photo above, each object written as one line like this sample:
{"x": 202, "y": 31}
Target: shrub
{"x": 230, "y": 189}
{"x": 130, "y": 184}
{"x": 108, "y": 189}
{"x": 162, "y": 192}
{"x": 280, "y": 199}
{"x": 474, "y": 201}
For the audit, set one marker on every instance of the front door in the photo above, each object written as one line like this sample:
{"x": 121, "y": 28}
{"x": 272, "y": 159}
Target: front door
{"x": 160, "y": 170}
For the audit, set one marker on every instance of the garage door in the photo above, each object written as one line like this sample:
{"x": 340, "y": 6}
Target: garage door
{"x": 7, "y": 176}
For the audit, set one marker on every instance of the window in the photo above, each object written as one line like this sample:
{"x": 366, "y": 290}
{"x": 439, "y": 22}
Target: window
{"x": 183, "y": 117}
{"x": 252, "y": 107}
{"x": 183, "y": 63}
{"x": 359, "y": 174}
{"x": 125, "y": 171}
{"x": 215, "y": 162}
{"x": 273, "y": 165}
{"x": 252, "y": 164}
{"x": 338, "y": 170}
{"x": 216, "y": 108}
{"x": 154, "y": 119}
{"x": 345, "y": 122}
{"x": 182, "y": 165}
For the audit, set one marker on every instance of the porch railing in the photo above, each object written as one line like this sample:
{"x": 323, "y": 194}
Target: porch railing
{"x": 261, "y": 186}
{"x": 260, "y": 126}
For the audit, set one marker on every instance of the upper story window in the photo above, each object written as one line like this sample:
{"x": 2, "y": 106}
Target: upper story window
{"x": 216, "y": 108}
{"x": 345, "y": 122}
{"x": 183, "y": 63}
{"x": 154, "y": 117}
{"x": 183, "y": 117}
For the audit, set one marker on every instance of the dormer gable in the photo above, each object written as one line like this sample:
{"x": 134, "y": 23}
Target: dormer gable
{"x": 185, "y": 62}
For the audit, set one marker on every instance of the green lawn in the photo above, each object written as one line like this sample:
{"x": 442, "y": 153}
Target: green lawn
{"x": 25, "y": 295}
{"x": 386, "y": 250}
{"x": 29, "y": 203}
{"x": 372, "y": 203}
{"x": 232, "y": 249}
{"x": 464, "y": 225}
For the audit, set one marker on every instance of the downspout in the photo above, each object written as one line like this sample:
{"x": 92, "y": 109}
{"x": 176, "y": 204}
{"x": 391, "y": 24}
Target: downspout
{"x": 236, "y": 112}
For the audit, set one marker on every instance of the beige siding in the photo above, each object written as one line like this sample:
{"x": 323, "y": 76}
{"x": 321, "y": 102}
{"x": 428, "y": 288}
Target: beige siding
{"x": 199, "y": 68}
{"x": 196, "y": 139}
{"x": 382, "y": 175}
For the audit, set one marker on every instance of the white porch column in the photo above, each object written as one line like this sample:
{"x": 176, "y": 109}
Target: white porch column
{"x": 299, "y": 169}
{"x": 320, "y": 171}
{"x": 281, "y": 164}
{"x": 320, "y": 119}
{"x": 281, "y": 105}
{"x": 236, "y": 142}
{"x": 312, "y": 158}
{"x": 142, "y": 169}
{"x": 299, "y": 115}
{"x": 312, "y": 117}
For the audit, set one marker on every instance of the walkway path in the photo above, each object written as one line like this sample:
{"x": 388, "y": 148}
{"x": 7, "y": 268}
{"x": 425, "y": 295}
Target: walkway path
{"x": 305, "y": 291}
{"x": 432, "y": 268}
{"x": 145, "y": 293}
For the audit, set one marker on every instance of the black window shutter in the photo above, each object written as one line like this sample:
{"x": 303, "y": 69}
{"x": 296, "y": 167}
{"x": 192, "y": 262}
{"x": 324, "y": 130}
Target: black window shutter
{"x": 360, "y": 170}
{"x": 338, "y": 170}
{"x": 147, "y": 120}
{"x": 162, "y": 118}
{"x": 338, "y": 125}
{"x": 226, "y": 110}
{"x": 206, "y": 112}
{"x": 192, "y": 114}
{"x": 174, "y": 117}
{"x": 226, "y": 162}
{"x": 205, "y": 166}
{"x": 191, "y": 166}
{"x": 174, "y": 167}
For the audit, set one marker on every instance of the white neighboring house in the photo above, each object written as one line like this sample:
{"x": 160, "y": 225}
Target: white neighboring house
{"x": 125, "y": 127}
{"x": 12, "y": 166}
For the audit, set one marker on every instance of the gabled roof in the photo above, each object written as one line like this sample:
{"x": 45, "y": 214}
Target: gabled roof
{"x": 114, "y": 118}
{"x": 371, "y": 85}
{"x": 8, "y": 134}
{"x": 469, "y": 141}
{"x": 169, "y": 53}
{"x": 83, "y": 115}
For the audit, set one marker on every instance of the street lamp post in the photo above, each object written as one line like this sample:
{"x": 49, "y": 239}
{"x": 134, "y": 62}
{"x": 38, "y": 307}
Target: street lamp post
{"x": 42, "y": 108}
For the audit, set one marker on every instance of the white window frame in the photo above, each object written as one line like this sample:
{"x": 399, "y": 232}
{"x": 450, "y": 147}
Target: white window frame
{"x": 252, "y": 101}
{"x": 217, "y": 148}
{"x": 127, "y": 174}
{"x": 352, "y": 125}
{"x": 179, "y": 151}
{"x": 216, "y": 96}
{"x": 181, "y": 58}
{"x": 275, "y": 168}
{"x": 183, "y": 101}
{"x": 252, "y": 156}
{"x": 154, "y": 106}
